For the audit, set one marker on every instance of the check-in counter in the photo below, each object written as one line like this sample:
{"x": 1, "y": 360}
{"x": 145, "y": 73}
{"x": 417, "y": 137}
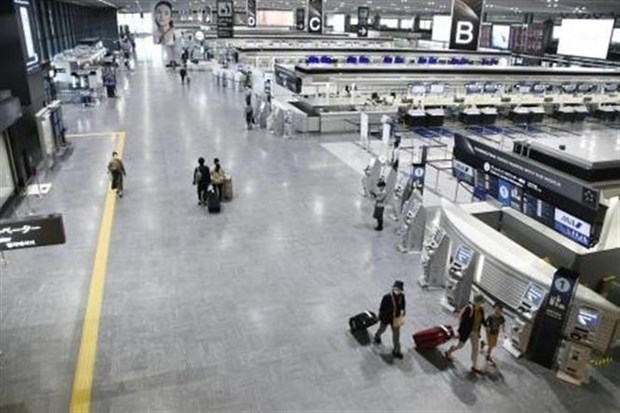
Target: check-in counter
{"x": 506, "y": 270}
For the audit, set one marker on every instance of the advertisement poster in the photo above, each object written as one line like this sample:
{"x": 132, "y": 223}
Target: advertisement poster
{"x": 466, "y": 21}
{"x": 315, "y": 16}
{"x": 363, "y": 13}
{"x": 225, "y": 18}
{"x": 163, "y": 25}
{"x": 251, "y": 13}
{"x": 300, "y": 18}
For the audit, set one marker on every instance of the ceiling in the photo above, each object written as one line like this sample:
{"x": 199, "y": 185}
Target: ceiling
{"x": 386, "y": 6}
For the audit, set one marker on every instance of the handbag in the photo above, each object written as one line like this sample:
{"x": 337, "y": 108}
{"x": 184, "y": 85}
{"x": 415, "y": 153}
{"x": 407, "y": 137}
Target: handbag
{"x": 398, "y": 321}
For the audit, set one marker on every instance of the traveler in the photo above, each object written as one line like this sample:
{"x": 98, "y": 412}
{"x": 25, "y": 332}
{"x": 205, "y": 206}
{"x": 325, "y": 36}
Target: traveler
{"x": 117, "y": 171}
{"x": 379, "y": 196}
{"x": 392, "y": 312}
{"x": 249, "y": 116}
{"x": 494, "y": 323}
{"x": 202, "y": 180}
{"x": 471, "y": 321}
{"x": 218, "y": 177}
{"x": 183, "y": 73}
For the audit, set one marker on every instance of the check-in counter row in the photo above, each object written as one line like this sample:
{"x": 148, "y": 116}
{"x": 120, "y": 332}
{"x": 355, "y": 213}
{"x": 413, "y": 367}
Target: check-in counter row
{"x": 506, "y": 270}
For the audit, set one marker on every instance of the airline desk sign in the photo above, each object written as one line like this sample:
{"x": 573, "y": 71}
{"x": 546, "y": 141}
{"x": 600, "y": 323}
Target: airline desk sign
{"x": 573, "y": 227}
{"x": 30, "y": 232}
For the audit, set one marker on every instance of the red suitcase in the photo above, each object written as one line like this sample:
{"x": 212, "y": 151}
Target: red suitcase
{"x": 432, "y": 337}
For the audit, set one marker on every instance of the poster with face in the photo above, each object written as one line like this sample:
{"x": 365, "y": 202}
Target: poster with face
{"x": 163, "y": 26}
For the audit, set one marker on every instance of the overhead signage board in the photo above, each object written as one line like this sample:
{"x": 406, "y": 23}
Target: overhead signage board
{"x": 225, "y": 18}
{"x": 31, "y": 232}
{"x": 251, "y": 13}
{"x": 300, "y": 18}
{"x": 559, "y": 201}
{"x": 466, "y": 22}
{"x": 315, "y": 16}
{"x": 549, "y": 333}
{"x": 363, "y": 13}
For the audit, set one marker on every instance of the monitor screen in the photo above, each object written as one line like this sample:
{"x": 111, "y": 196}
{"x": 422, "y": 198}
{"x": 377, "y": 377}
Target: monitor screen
{"x": 463, "y": 255}
{"x": 569, "y": 87}
{"x": 535, "y": 295}
{"x": 611, "y": 87}
{"x": 491, "y": 88}
{"x": 472, "y": 88}
{"x": 500, "y": 36}
{"x": 584, "y": 87}
{"x": 586, "y": 37}
{"x": 438, "y": 236}
{"x": 588, "y": 317}
{"x": 524, "y": 88}
{"x": 418, "y": 89}
{"x": 437, "y": 88}
{"x": 539, "y": 88}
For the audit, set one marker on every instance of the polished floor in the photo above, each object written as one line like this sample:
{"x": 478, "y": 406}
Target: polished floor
{"x": 242, "y": 311}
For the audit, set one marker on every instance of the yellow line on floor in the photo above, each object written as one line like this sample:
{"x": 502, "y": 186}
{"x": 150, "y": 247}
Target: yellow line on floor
{"x": 85, "y": 366}
{"x": 93, "y": 134}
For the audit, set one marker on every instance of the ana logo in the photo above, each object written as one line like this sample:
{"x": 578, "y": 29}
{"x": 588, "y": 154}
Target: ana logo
{"x": 487, "y": 167}
{"x": 571, "y": 222}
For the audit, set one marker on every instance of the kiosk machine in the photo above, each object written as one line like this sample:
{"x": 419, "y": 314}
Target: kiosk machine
{"x": 521, "y": 330}
{"x": 414, "y": 221}
{"x": 460, "y": 278}
{"x": 435, "y": 259}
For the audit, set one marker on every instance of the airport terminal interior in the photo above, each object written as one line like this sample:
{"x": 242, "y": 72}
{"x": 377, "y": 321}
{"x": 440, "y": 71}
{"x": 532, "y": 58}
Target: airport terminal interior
{"x": 309, "y": 206}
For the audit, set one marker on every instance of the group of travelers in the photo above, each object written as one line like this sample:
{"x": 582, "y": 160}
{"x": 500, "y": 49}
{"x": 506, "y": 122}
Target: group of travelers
{"x": 471, "y": 320}
{"x": 206, "y": 179}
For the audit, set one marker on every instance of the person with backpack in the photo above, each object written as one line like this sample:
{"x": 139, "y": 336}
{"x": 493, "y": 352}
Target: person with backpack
{"x": 202, "y": 180}
{"x": 392, "y": 313}
{"x": 471, "y": 320}
{"x": 218, "y": 177}
{"x": 116, "y": 168}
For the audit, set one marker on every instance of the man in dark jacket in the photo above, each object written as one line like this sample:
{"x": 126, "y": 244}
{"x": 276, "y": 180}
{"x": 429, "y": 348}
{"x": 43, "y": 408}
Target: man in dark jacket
{"x": 471, "y": 321}
{"x": 392, "y": 312}
{"x": 116, "y": 168}
{"x": 202, "y": 180}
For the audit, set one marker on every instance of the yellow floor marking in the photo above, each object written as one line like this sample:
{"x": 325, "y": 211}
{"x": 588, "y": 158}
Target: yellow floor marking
{"x": 85, "y": 367}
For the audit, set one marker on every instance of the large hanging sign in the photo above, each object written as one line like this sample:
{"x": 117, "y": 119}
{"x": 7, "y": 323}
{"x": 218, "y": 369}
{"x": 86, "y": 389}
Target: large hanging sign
{"x": 30, "y": 232}
{"x": 466, "y": 22}
{"x": 251, "y": 13}
{"x": 363, "y": 13}
{"x": 300, "y": 18}
{"x": 163, "y": 25}
{"x": 549, "y": 332}
{"x": 315, "y": 16}
{"x": 225, "y": 18}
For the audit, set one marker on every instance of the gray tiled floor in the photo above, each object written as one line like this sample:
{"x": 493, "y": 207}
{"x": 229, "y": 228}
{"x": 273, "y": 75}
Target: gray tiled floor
{"x": 242, "y": 311}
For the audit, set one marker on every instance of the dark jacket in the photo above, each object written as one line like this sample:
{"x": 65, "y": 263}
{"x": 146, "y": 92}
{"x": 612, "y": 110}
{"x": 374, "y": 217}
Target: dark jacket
{"x": 467, "y": 321}
{"x": 386, "y": 310}
{"x": 205, "y": 178}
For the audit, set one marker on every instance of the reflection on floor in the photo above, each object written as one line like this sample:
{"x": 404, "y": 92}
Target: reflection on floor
{"x": 245, "y": 310}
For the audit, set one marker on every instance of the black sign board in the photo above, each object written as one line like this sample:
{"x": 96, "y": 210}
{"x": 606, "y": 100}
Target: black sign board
{"x": 363, "y": 13}
{"x": 225, "y": 18}
{"x": 288, "y": 79}
{"x": 466, "y": 21}
{"x": 32, "y": 231}
{"x": 418, "y": 175}
{"x": 560, "y": 201}
{"x": 300, "y": 18}
{"x": 251, "y": 13}
{"x": 550, "y": 324}
{"x": 315, "y": 16}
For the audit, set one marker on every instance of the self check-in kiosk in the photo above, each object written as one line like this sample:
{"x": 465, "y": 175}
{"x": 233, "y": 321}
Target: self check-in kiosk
{"x": 435, "y": 259}
{"x": 414, "y": 221}
{"x": 521, "y": 329}
{"x": 460, "y": 278}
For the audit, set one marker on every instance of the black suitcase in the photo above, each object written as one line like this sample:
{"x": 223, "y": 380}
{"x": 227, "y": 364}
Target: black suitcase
{"x": 213, "y": 202}
{"x": 363, "y": 320}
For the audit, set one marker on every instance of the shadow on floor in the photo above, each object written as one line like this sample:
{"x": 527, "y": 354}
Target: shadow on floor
{"x": 15, "y": 408}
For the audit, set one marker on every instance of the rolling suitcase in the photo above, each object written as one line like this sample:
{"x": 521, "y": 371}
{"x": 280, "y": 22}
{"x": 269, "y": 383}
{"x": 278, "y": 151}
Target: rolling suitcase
{"x": 227, "y": 189}
{"x": 432, "y": 337}
{"x": 363, "y": 320}
{"x": 213, "y": 202}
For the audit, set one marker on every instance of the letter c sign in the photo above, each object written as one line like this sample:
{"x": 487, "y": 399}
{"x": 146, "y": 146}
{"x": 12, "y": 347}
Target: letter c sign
{"x": 315, "y": 24}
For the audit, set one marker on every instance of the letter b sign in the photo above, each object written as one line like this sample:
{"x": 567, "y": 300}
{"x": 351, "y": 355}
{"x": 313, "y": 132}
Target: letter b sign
{"x": 464, "y": 33}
